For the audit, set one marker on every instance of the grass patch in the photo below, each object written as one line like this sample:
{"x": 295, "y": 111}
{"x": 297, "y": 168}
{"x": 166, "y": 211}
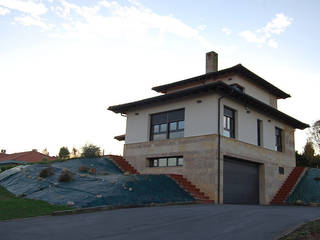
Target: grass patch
{"x": 309, "y": 231}
{"x": 17, "y": 207}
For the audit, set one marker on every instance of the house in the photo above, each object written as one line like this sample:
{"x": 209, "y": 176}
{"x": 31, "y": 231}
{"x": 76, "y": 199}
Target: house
{"x": 221, "y": 130}
{"x": 29, "y": 156}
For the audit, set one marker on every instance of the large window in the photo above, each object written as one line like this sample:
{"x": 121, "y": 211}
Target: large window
{"x": 167, "y": 125}
{"x": 229, "y": 122}
{"x": 166, "y": 162}
{"x": 278, "y": 134}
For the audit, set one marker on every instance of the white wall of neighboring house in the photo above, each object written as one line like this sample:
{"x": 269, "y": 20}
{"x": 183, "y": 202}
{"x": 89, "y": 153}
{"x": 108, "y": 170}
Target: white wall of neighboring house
{"x": 201, "y": 119}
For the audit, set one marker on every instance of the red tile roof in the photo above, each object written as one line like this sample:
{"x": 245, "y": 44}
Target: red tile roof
{"x": 30, "y": 156}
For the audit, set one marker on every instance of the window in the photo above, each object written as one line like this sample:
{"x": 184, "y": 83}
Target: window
{"x": 281, "y": 170}
{"x": 167, "y": 125}
{"x": 278, "y": 139}
{"x": 229, "y": 122}
{"x": 259, "y": 132}
{"x": 166, "y": 162}
{"x": 237, "y": 87}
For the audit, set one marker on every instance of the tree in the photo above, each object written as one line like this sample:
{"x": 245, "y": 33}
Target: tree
{"x": 74, "y": 152}
{"x": 314, "y": 133}
{"x": 308, "y": 154}
{"x": 64, "y": 153}
{"x": 90, "y": 151}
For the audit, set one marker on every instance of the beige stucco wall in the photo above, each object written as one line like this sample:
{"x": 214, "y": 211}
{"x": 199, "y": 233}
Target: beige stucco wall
{"x": 200, "y": 157}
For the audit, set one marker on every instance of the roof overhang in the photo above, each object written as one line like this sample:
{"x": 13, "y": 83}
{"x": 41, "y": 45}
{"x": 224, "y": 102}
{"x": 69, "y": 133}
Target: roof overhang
{"x": 216, "y": 87}
{"x": 120, "y": 137}
{"x": 238, "y": 69}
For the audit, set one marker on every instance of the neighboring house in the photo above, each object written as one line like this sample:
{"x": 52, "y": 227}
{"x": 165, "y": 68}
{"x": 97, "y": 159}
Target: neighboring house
{"x": 221, "y": 130}
{"x": 30, "y": 156}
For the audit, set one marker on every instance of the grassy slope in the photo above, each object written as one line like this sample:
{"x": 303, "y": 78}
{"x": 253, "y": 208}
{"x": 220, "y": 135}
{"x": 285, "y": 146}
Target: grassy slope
{"x": 309, "y": 231}
{"x": 17, "y": 207}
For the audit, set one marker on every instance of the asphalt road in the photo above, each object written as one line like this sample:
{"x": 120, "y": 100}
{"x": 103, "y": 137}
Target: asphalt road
{"x": 185, "y": 222}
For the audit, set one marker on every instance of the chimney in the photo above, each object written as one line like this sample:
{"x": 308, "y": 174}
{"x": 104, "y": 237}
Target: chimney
{"x": 211, "y": 62}
{"x": 3, "y": 151}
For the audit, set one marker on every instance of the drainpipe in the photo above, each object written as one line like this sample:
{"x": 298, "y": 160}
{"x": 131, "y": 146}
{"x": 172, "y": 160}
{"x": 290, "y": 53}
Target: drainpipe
{"x": 219, "y": 143}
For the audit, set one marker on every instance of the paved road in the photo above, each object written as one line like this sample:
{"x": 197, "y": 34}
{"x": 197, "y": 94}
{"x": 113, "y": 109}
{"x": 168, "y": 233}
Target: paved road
{"x": 194, "y": 222}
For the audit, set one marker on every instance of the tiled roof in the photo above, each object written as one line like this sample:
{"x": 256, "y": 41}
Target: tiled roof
{"x": 219, "y": 87}
{"x": 30, "y": 156}
{"x": 237, "y": 69}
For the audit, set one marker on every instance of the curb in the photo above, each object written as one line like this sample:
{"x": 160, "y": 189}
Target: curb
{"x": 106, "y": 208}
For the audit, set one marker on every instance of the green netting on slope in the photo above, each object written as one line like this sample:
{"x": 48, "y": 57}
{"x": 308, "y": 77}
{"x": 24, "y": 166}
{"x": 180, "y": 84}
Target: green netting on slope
{"x": 308, "y": 189}
{"x": 107, "y": 188}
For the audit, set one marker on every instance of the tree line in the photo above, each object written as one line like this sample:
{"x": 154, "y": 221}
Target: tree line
{"x": 309, "y": 158}
{"x": 87, "y": 151}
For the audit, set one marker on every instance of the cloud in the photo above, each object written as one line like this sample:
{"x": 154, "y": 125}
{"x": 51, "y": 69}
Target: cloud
{"x": 265, "y": 35}
{"x": 25, "y": 6}
{"x": 31, "y": 21}
{"x": 202, "y": 27}
{"x": 272, "y": 43}
{"x": 4, "y": 11}
{"x": 132, "y": 21}
{"x": 252, "y": 37}
{"x": 227, "y": 31}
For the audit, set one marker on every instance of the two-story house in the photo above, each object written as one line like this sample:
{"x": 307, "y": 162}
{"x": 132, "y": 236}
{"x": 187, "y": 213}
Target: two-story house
{"x": 221, "y": 130}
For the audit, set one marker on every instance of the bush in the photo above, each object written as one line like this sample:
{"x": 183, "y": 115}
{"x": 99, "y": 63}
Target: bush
{"x": 92, "y": 170}
{"x": 65, "y": 176}
{"x": 46, "y": 172}
{"x": 90, "y": 151}
{"x": 83, "y": 168}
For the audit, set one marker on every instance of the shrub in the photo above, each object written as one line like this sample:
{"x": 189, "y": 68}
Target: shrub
{"x": 6, "y": 167}
{"x": 92, "y": 170}
{"x": 83, "y": 168}
{"x": 46, "y": 172}
{"x": 66, "y": 176}
{"x": 44, "y": 160}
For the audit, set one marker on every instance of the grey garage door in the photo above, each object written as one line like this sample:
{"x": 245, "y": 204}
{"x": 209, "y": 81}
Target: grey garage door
{"x": 240, "y": 181}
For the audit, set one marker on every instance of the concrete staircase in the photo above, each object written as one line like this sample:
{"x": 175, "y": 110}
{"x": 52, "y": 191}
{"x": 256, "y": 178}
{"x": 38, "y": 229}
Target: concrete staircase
{"x": 123, "y": 164}
{"x": 186, "y": 185}
{"x": 190, "y": 188}
{"x": 288, "y": 186}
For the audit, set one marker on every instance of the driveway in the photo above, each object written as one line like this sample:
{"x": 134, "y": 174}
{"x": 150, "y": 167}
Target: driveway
{"x": 172, "y": 222}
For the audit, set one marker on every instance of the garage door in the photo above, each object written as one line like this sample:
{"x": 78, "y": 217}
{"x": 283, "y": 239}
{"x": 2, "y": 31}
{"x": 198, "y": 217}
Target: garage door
{"x": 240, "y": 182}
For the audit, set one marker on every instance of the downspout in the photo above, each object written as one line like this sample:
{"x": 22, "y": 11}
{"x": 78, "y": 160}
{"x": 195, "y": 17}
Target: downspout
{"x": 219, "y": 144}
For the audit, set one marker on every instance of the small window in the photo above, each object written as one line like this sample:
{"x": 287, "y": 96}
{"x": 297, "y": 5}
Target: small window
{"x": 237, "y": 87}
{"x": 259, "y": 132}
{"x": 229, "y": 122}
{"x": 278, "y": 135}
{"x": 281, "y": 170}
{"x": 172, "y": 162}
{"x": 166, "y": 162}
{"x": 180, "y": 161}
{"x": 162, "y": 162}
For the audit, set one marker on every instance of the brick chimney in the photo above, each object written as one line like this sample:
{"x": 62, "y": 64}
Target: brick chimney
{"x": 211, "y": 62}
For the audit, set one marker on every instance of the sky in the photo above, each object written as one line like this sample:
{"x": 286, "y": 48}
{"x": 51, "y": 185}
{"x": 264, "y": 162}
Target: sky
{"x": 63, "y": 62}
